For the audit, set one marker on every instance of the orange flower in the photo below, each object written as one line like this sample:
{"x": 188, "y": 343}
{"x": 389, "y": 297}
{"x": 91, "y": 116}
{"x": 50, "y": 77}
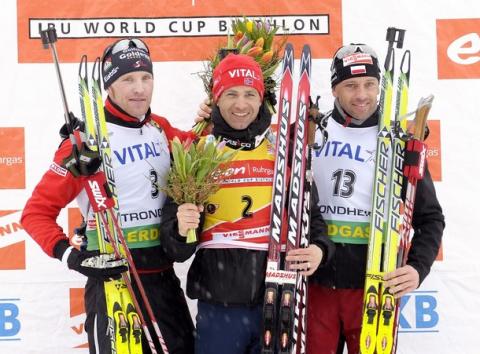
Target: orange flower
{"x": 238, "y": 36}
{"x": 253, "y": 52}
{"x": 266, "y": 57}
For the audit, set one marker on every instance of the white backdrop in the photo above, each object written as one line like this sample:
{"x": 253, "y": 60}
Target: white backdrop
{"x": 441, "y": 317}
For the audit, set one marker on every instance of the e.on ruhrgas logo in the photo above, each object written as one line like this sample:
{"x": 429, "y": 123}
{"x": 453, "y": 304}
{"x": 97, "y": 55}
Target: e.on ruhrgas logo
{"x": 12, "y": 251}
{"x": 12, "y": 158}
{"x": 77, "y": 316}
{"x": 458, "y": 48}
{"x": 174, "y": 30}
{"x": 434, "y": 150}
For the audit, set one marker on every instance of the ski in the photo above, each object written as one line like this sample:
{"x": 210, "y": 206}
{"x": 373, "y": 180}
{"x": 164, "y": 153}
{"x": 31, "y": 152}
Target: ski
{"x": 293, "y": 319}
{"x": 388, "y": 306}
{"x": 274, "y": 275}
{"x": 284, "y": 308}
{"x": 414, "y": 170}
{"x": 379, "y": 220}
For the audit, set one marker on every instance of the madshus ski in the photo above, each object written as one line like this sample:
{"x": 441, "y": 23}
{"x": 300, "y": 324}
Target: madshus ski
{"x": 125, "y": 323}
{"x": 285, "y": 294}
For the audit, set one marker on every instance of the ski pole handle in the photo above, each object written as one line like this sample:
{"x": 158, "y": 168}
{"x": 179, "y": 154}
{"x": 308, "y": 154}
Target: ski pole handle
{"x": 394, "y": 35}
{"x": 49, "y": 37}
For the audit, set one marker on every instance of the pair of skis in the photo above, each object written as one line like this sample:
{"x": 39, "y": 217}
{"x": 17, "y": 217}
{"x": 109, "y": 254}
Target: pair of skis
{"x": 284, "y": 309}
{"x": 125, "y": 320}
{"x": 390, "y": 220}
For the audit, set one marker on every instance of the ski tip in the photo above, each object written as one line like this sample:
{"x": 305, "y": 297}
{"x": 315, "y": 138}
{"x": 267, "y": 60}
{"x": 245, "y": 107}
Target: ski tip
{"x": 288, "y": 58}
{"x": 306, "y": 60}
{"x": 426, "y": 101}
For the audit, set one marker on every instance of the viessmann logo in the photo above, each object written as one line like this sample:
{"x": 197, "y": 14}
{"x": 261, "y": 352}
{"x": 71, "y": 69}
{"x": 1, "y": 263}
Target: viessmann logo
{"x": 184, "y": 30}
{"x": 458, "y": 48}
{"x": 12, "y": 249}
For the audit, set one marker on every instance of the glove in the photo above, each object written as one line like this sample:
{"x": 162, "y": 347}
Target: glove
{"x": 75, "y": 123}
{"x": 83, "y": 161}
{"x": 102, "y": 267}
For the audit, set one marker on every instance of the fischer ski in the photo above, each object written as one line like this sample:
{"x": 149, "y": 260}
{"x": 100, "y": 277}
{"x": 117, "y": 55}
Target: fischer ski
{"x": 284, "y": 311}
{"x": 398, "y": 156}
{"x": 379, "y": 222}
{"x": 394, "y": 211}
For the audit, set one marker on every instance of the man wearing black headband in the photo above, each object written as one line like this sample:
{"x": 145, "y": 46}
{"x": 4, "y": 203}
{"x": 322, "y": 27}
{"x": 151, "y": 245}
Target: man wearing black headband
{"x": 141, "y": 159}
{"x": 344, "y": 172}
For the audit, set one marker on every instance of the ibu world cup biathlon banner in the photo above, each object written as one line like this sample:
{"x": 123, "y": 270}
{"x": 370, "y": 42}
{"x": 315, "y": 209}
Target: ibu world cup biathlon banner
{"x": 41, "y": 302}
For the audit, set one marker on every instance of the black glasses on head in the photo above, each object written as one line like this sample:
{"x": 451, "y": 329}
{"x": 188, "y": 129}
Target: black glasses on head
{"x": 123, "y": 44}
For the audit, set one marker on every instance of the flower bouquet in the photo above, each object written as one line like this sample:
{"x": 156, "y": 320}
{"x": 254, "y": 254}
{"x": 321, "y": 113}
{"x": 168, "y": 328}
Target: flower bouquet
{"x": 256, "y": 39}
{"x": 196, "y": 172}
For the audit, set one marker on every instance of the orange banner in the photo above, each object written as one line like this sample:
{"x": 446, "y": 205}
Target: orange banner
{"x": 458, "y": 48}
{"x": 12, "y": 256}
{"x": 434, "y": 150}
{"x": 12, "y": 158}
{"x": 175, "y": 29}
{"x": 77, "y": 308}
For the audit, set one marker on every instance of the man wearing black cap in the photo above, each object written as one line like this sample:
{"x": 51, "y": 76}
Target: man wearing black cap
{"x": 344, "y": 172}
{"x": 141, "y": 159}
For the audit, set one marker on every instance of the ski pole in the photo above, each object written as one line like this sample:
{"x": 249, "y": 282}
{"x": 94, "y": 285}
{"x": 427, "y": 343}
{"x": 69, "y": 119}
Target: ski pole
{"x": 49, "y": 37}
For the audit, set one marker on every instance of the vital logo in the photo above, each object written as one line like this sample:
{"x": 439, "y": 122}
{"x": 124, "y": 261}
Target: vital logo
{"x": 339, "y": 149}
{"x": 186, "y": 28}
{"x": 138, "y": 152}
{"x": 10, "y": 325}
{"x": 419, "y": 312}
{"x": 458, "y": 48}
{"x": 12, "y": 158}
{"x": 77, "y": 316}
{"x": 12, "y": 249}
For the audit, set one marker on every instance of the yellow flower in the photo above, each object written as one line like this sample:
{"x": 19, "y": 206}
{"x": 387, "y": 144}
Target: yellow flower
{"x": 260, "y": 42}
{"x": 249, "y": 26}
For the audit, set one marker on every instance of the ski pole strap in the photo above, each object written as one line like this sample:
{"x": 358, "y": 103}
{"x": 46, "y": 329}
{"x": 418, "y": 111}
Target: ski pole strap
{"x": 415, "y": 158}
{"x": 82, "y": 161}
{"x": 98, "y": 193}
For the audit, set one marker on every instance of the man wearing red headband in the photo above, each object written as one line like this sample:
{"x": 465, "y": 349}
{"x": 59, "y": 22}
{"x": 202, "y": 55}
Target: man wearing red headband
{"x": 227, "y": 275}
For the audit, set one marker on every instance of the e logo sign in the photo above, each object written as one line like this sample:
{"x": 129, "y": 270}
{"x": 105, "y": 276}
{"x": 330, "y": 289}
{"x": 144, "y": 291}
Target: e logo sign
{"x": 458, "y": 48}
